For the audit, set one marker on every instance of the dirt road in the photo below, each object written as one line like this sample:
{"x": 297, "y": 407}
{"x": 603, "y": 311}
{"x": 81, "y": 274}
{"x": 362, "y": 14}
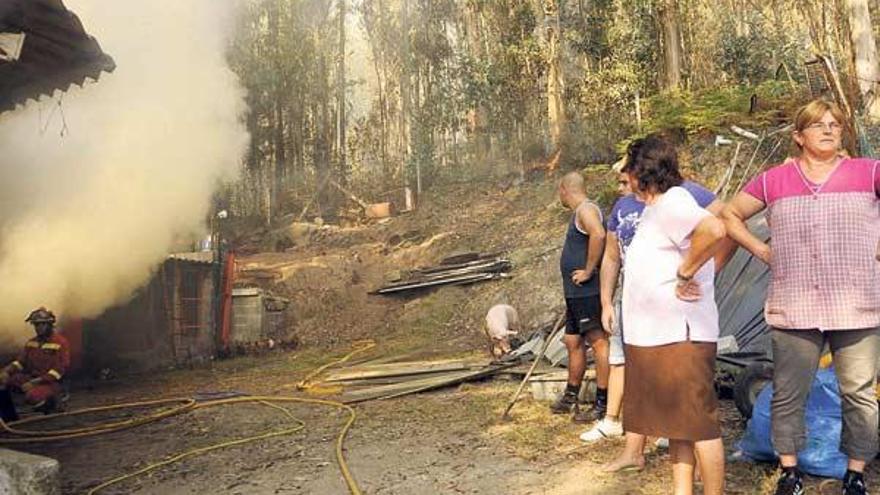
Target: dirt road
{"x": 449, "y": 442}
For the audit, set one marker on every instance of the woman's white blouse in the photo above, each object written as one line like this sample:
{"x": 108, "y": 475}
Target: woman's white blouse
{"x": 652, "y": 314}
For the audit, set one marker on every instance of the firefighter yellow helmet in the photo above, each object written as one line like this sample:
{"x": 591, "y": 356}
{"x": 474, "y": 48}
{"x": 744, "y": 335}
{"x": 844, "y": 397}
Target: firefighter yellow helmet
{"x": 41, "y": 315}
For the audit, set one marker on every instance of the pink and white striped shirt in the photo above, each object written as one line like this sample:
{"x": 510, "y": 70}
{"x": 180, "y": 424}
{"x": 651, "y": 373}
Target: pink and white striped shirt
{"x": 824, "y": 242}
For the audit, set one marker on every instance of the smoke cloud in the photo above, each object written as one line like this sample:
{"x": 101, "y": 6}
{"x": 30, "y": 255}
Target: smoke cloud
{"x": 88, "y": 213}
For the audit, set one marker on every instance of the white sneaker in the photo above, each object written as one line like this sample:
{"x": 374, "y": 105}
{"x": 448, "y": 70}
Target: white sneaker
{"x": 603, "y": 429}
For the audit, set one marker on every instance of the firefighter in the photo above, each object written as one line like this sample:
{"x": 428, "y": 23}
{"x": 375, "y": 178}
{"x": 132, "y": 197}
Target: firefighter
{"x": 38, "y": 371}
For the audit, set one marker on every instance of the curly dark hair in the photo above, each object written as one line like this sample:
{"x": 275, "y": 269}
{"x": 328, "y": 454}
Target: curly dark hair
{"x": 653, "y": 161}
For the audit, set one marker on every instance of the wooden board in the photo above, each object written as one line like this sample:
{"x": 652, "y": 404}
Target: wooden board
{"x": 422, "y": 385}
{"x": 366, "y": 372}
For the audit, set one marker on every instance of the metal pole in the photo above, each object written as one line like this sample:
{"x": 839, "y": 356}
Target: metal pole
{"x": 556, "y": 328}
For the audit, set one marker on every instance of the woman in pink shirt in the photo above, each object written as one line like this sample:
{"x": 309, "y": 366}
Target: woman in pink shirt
{"x": 824, "y": 216}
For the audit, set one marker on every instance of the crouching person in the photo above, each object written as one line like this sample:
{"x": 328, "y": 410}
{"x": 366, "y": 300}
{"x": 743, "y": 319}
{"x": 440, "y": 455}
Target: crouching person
{"x": 40, "y": 366}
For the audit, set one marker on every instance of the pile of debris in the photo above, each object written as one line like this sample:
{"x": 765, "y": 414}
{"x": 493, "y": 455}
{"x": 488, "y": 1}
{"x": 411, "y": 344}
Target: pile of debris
{"x": 387, "y": 381}
{"x": 381, "y": 379}
{"x": 458, "y": 270}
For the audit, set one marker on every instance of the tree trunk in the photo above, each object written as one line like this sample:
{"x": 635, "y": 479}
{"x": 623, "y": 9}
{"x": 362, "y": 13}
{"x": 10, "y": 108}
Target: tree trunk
{"x": 814, "y": 14}
{"x": 280, "y": 158}
{"x": 340, "y": 98}
{"x": 672, "y": 56}
{"x": 406, "y": 89}
{"x": 323, "y": 133}
{"x": 373, "y": 18}
{"x": 555, "y": 81}
{"x": 383, "y": 116}
{"x": 477, "y": 115}
{"x": 864, "y": 54}
{"x": 253, "y": 161}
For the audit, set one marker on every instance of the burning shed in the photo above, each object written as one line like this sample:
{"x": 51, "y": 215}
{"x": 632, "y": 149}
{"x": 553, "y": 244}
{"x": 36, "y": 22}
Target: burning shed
{"x": 187, "y": 314}
{"x": 170, "y": 322}
{"x": 43, "y": 49}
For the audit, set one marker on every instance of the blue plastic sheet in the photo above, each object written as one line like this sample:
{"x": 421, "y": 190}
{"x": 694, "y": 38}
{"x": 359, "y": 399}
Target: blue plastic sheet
{"x": 822, "y": 455}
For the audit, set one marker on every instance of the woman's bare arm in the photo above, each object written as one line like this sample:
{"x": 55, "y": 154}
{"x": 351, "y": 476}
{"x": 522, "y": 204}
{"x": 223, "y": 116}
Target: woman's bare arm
{"x": 741, "y": 208}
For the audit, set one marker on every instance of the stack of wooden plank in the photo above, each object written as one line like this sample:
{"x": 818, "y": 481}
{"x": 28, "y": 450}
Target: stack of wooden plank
{"x": 476, "y": 269}
{"x": 386, "y": 381}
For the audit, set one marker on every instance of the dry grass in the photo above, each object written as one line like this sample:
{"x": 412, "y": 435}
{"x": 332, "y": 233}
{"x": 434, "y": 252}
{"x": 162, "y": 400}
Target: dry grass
{"x": 532, "y": 433}
{"x": 552, "y": 440}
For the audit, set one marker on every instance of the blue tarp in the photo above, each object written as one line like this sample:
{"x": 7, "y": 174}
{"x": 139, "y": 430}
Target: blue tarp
{"x": 822, "y": 455}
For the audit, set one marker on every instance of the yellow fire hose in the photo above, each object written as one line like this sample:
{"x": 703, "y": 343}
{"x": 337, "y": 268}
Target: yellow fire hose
{"x": 184, "y": 405}
{"x": 54, "y": 435}
{"x": 362, "y": 346}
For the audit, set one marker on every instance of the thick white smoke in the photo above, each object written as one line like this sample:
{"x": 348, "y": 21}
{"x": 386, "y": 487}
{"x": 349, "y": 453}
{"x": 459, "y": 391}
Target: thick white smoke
{"x": 86, "y": 217}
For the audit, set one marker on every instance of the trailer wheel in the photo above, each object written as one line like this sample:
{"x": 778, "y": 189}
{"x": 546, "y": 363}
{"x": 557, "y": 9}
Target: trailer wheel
{"x": 749, "y": 383}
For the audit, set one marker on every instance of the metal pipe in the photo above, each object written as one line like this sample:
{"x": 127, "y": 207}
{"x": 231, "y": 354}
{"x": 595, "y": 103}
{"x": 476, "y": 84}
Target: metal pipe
{"x": 556, "y": 328}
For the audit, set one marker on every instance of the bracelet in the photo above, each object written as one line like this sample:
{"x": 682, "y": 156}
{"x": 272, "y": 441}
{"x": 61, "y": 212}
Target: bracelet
{"x": 682, "y": 278}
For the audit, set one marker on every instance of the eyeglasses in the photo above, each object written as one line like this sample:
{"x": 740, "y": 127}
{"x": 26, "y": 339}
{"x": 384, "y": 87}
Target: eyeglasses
{"x": 821, "y": 126}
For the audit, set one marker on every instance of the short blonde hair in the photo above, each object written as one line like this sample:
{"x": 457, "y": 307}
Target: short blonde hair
{"x": 813, "y": 111}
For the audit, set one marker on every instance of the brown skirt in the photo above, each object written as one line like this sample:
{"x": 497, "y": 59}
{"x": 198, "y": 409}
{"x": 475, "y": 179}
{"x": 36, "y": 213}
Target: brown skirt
{"x": 670, "y": 391}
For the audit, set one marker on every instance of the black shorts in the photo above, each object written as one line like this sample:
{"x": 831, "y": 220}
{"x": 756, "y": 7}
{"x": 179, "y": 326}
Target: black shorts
{"x": 582, "y": 314}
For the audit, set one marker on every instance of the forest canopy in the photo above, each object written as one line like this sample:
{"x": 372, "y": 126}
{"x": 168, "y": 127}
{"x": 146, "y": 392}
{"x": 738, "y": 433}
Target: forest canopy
{"x": 378, "y": 95}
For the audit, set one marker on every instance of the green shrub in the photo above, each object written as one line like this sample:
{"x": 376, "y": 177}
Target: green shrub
{"x": 714, "y": 110}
